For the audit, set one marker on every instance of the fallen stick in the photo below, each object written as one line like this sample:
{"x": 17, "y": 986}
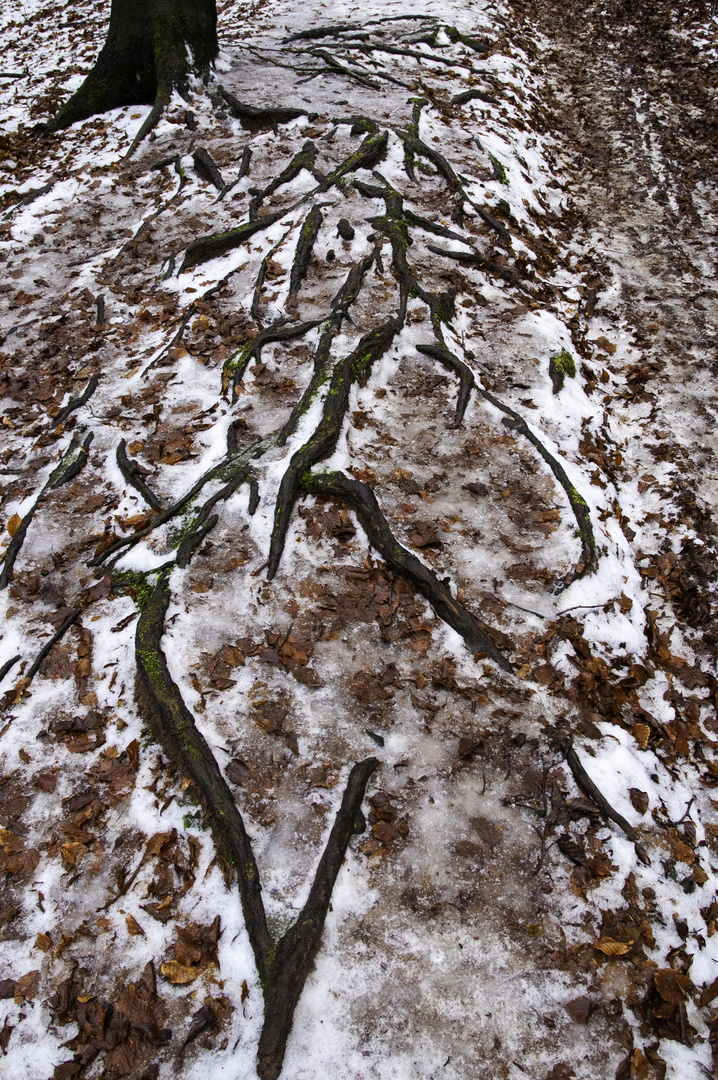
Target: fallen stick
{"x": 588, "y": 787}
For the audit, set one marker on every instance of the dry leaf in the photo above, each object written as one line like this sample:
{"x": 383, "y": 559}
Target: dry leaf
{"x": 178, "y": 974}
{"x": 133, "y": 927}
{"x": 13, "y": 524}
{"x": 610, "y": 947}
{"x": 43, "y": 942}
{"x": 641, "y": 733}
{"x": 10, "y": 842}
{"x": 71, "y": 853}
{"x": 671, "y": 985}
{"x": 27, "y": 986}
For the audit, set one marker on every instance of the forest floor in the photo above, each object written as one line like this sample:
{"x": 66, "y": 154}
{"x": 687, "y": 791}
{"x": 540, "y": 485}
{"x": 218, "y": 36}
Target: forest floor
{"x": 510, "y": 602}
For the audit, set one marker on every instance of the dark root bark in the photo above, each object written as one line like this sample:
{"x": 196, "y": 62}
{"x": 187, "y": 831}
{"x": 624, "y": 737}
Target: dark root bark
{"x": 151, "y": 48}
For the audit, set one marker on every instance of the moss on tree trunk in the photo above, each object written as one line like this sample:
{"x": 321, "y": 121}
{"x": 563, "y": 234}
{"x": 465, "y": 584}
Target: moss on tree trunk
{"x": 151, "y": 47}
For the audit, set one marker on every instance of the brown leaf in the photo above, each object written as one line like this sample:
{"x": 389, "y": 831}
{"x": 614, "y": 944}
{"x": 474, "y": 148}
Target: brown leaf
{"x": 5, "y": 1033}
{"x": 123, "y": 1059}
{"x": 13, "y": 524}
{"x": 133, "y": 753}
{"x": 161, "y": 912}
{"x": 680, "y": 851}
{"x": 639, "y": 800}
{"x": 178, "y": 974}
{"x": 156, "y": 843}
{"x": 610, "y": 947}
{"x": 573, "y": 850}
{"x": 385, "y": 831}
{"x": 71, "y": 853}
{"x": 27, "y": 986}
{"x": 99, "y": 591}
{"x": 368, "y": 688}
{"x": 671, "y": 985}
{"x": 237, "y": 772}
{"x": 133, "y": 927}
{"x": 579, "y": 1008}
{"x": 44, "y": 943}
{"x": 709, "y": 993}
{"x": 468, "y": 746}
{"x": 45, "y": 781}
{"x": 10, "y": 842}
{"x": 306, "y": 675}
{"x": 197, "y": 944}
{"x": 561, "y": 1071}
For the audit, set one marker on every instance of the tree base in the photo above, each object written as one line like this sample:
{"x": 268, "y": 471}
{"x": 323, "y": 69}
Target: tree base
{"x": 151, "y": 48}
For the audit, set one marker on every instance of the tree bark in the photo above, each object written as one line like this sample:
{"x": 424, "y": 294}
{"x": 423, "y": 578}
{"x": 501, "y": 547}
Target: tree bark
{"x": 151, "y": 47}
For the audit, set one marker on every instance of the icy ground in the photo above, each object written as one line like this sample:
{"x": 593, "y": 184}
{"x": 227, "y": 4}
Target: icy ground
{"x": 492, "y": 921}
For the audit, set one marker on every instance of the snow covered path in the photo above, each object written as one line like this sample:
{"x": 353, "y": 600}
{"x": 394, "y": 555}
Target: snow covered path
{"x": 506, "y": 205}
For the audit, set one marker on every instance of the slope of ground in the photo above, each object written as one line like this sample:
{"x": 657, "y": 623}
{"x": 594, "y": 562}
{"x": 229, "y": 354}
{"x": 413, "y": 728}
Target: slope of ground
{"x": 392, "y": 404}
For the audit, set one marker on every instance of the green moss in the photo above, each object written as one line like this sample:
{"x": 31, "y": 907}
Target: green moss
{"x": 151, "y": 663}
{"x": 566, "y": 363}
{"x": 186, "y": 525}
{"x": 137, "y": 584}
{"x": 195, "y": 821}
{"x": 576, "y": 498}
{"x": 560, "y": 367}
{"x": 499, "y": 170}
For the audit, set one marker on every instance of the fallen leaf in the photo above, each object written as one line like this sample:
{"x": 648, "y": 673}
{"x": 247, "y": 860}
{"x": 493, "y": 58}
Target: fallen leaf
{"x": 178, "y": 974}
{"x": 610, "y": 947}
{"x": 13, "y": 524}
{"x": 27, "y": 986}
{"x": 10, "y": 842}
{"x": 133, "y": 927}
{"x": 579, "y": 1008}
{"x": 709, "y": 993}
{"x": 639, "y": 800}
{"x": 671, "y": 985}
{"x": 5, "y": 1033}
{"x": 43, "y": 942}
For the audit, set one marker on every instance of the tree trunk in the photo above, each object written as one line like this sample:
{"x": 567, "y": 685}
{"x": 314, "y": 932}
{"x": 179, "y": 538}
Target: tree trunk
{"x": 151, "y": 47}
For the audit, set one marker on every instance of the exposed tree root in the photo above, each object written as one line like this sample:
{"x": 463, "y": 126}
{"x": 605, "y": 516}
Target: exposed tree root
{"x": 72, "y": 463}
{"x": 303, "y": 160}
{"x": 588, "y": 787}
{"x": 283, "y": 965}
{"x": 45, "y": 650}
{"x": 587, "y": 562}
{"x": 323, "y": 442}
{"x": 362, "y": 500}
{"x": 212, "y": 247}
{"x": 257, "y": 119}
{"x": 12, "y": 696}
{"x": 134, "y": 474}
{"x": 465, "y": 374}
{"x": 76, "y": 402}
{"x": 334, "y": 67}
{"x": 472, "y": 95}
{"x": 207, "y": 168}
{"x": 305, "y": 245}
{"x": 8, "y": 665}
{"x": 236, "y": 365}
{"x": 341, "y": 303}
